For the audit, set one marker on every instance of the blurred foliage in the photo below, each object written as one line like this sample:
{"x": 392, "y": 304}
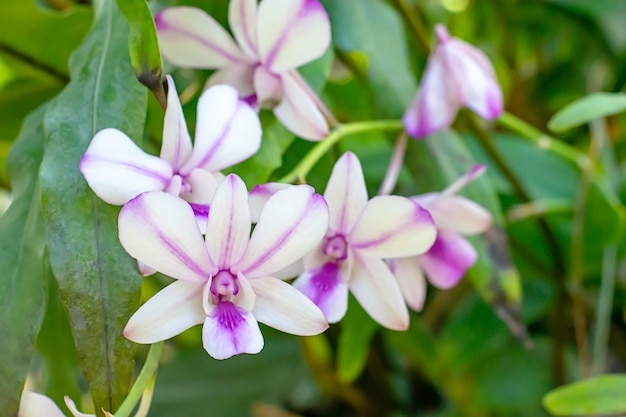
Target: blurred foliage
{"x": 492, "y": 346}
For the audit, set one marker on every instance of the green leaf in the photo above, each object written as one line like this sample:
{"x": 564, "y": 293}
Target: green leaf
{"x": 99, "y": 283}
{"x": 586, "y": 109}
{"x": 374, "y": 28}
{"x": 22, "y": 262}
{"x": 600, "y": 395}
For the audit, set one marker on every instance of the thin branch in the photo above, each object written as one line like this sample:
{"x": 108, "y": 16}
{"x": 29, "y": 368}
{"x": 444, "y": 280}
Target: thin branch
{"x": 33, "y": 62}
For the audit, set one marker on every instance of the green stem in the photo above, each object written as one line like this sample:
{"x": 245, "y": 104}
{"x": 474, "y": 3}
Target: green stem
{"x": 603, "y": 312}
{"x": 315, "y": 154}
{"x": 143, "y": 380}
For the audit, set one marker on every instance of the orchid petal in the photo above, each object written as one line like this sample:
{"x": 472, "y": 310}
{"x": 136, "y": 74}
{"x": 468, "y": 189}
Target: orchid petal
{"x": 298, "y": 112}
{"x": 160, "y": 230}
{"x": 145, "y": 270}
{"x": 346, "y": 193}
{"x": 33, "y": 404}
{"x": 231, "y": 331}
{"x": 291, "y": 224}
{"x": 117, "y": 170}
{"x": 176, "y": 146}
{"x": 375, "y": 288}
{"x": 190, "y": 38}
{"x": 456, "y": 213}
{"x": 448, "y": 260}
{"x": 227, "y": 131}
{"x": 259, "y": 196}
{"x": 393, "y": 227}
{"x": 74, "y": 410}
{"x": 203, "y": 185}
{"x": 242, "y": 18}
{"x": 283, "y": 307}
{"x": 290, "y": 271}
{"x": 246, "y": 298}
{"x": 169, "y": 312}
{"x": 410, "y": 277}
{"x": 435, "y": 104}
{"x": 291, "y": 33}
{"x": 268, "y": 87}
{"x": 228, "y": 227}
{"x": 327, "y": 287}
{"x": 238, "y": 76}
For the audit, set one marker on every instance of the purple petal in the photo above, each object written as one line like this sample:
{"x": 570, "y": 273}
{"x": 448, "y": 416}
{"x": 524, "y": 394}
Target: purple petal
{"x": 375, "y": 288}
{"x": 346, "y": 193}
{"x": 176, "y": 146}
{"x": 228, "y": 227}
{"x": 291, "y": 224}
{"x": 171, "y": 311}
{"x": 298, "y": 112}
{"x": 282, "y": 307}
{"x": 410, "y": 277}
{"x": 448, "y": 260}
{"x": 190, "y": 38}
{"x": 242, "y": 18}
{"x": 160, "y": 230}
{"x": 393, "y": 227}
{"x": 117, "y": 170}
{"x": 456, "y": 213}
{"x": 227, "y": 131}
{"x": 327, "y": 287}
{"x": 231, "y": 331}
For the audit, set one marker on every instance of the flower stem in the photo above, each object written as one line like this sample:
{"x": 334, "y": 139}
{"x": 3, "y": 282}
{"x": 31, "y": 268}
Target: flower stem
{"x": 313, "y": 156}
{"x": 603, "y": 311}
{"x": 144, "y": 382}
{"x": 395, "y": 165}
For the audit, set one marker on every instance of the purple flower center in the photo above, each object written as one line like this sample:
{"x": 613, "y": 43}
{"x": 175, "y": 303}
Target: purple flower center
{"x": 228, "y": 315}
{"x": 336, "y": 248}
{"x": 325, "y": 280}
{"x": 223, "y": 287}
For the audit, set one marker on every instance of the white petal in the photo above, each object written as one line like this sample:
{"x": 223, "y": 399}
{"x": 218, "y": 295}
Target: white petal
{"x": 176, "y": 146}
{"x": 375, "y": 288}
{"x": 291, "y": 224}
{"x": 160, "y": 230}
{"x": 259, "y": 195}
{"x": 298, "y": 112}
{"x": 448, "y": 260}
{"x": 189, "y": 37}
{"x": 72, "y": 407}
{"x": 292, "y": 33}
{"x": 290, "y": 271}
{"x": 408, "y": 273}
{"x": 282, "y": 307}
{"x": 227, "y": 131}
{"x": 327, "y": 287}
{"x": 346, "y": 193}
{"x": 231, "y": 331}
{"x": 436, "y": 102}
{"x": 203, "y": 186}
{"x": 268, "y": 87}
{"x": 242, "y": 18}
{"x": 228, "y": 227}
{"x": 33, "y": 404}
{"x": 452, "y": 212}
{"x": 238, "y": 76}
{"x": 393, "y": 227}
{"x": 117, "y": 170}
{"x": 169, "y": 312}
{"x": 145, "y": 270}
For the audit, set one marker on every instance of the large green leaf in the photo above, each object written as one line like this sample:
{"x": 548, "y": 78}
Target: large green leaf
{"x": 374, "y": 28}
{"x": 586, "y": 109}
{"x": 22, "y": 253}
{"x": 600, "y": 395}
{"x": 99, "y": 283}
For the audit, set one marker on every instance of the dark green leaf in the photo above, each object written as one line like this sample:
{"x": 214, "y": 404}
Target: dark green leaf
{"x": 99, "y": 283}
{"x": 22, "y": 253}
{"x": 357, "y": 330}
{"x": 601, "y": 395}
{"x": 586, "y": 109}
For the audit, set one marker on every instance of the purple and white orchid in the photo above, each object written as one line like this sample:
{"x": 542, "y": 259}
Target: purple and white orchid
{"x": 457, "y": 74}
{"x": 447, "y": 261}
{"x": 271, "y": 40}
{"x": 224, "y": 281}
{"x": 227, "y": 132}
{"x": 360, "y": 234}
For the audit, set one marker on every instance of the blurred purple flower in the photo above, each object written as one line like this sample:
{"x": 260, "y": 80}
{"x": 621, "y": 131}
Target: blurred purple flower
{"x": 457, "y": 74}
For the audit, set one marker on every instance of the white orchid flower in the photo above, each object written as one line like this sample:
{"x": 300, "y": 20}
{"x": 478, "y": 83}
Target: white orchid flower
{"x": 33, "y": 404}
{"x": 226, "y": 281}
{"x": 360, "y": 234}
{"x": 271, "y": 40}
{"x": 457, "y": 74}
{"x": 227, "y": 132}
{"x": 447, "y": 261}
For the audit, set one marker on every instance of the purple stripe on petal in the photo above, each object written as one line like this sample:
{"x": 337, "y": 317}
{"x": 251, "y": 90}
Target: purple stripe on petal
{"x": 326, "y": 288}
{"x": 180, "y": 254}
{"x": 231, "y": 331}
{"x": 131, "y": 167}
{"x": 222, "y": 136}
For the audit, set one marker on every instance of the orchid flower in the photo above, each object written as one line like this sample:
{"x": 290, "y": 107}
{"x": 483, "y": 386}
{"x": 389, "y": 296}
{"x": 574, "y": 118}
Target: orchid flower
{"x": 271, "y": 40}
{"x": 33, "y": 404}
{"x": 226, "y": 281}
{"x": 457, "y": 74}
{"x": 359, "y": 235}
{"x": 227, "y": 132}
{"x": 450, "y": 257}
